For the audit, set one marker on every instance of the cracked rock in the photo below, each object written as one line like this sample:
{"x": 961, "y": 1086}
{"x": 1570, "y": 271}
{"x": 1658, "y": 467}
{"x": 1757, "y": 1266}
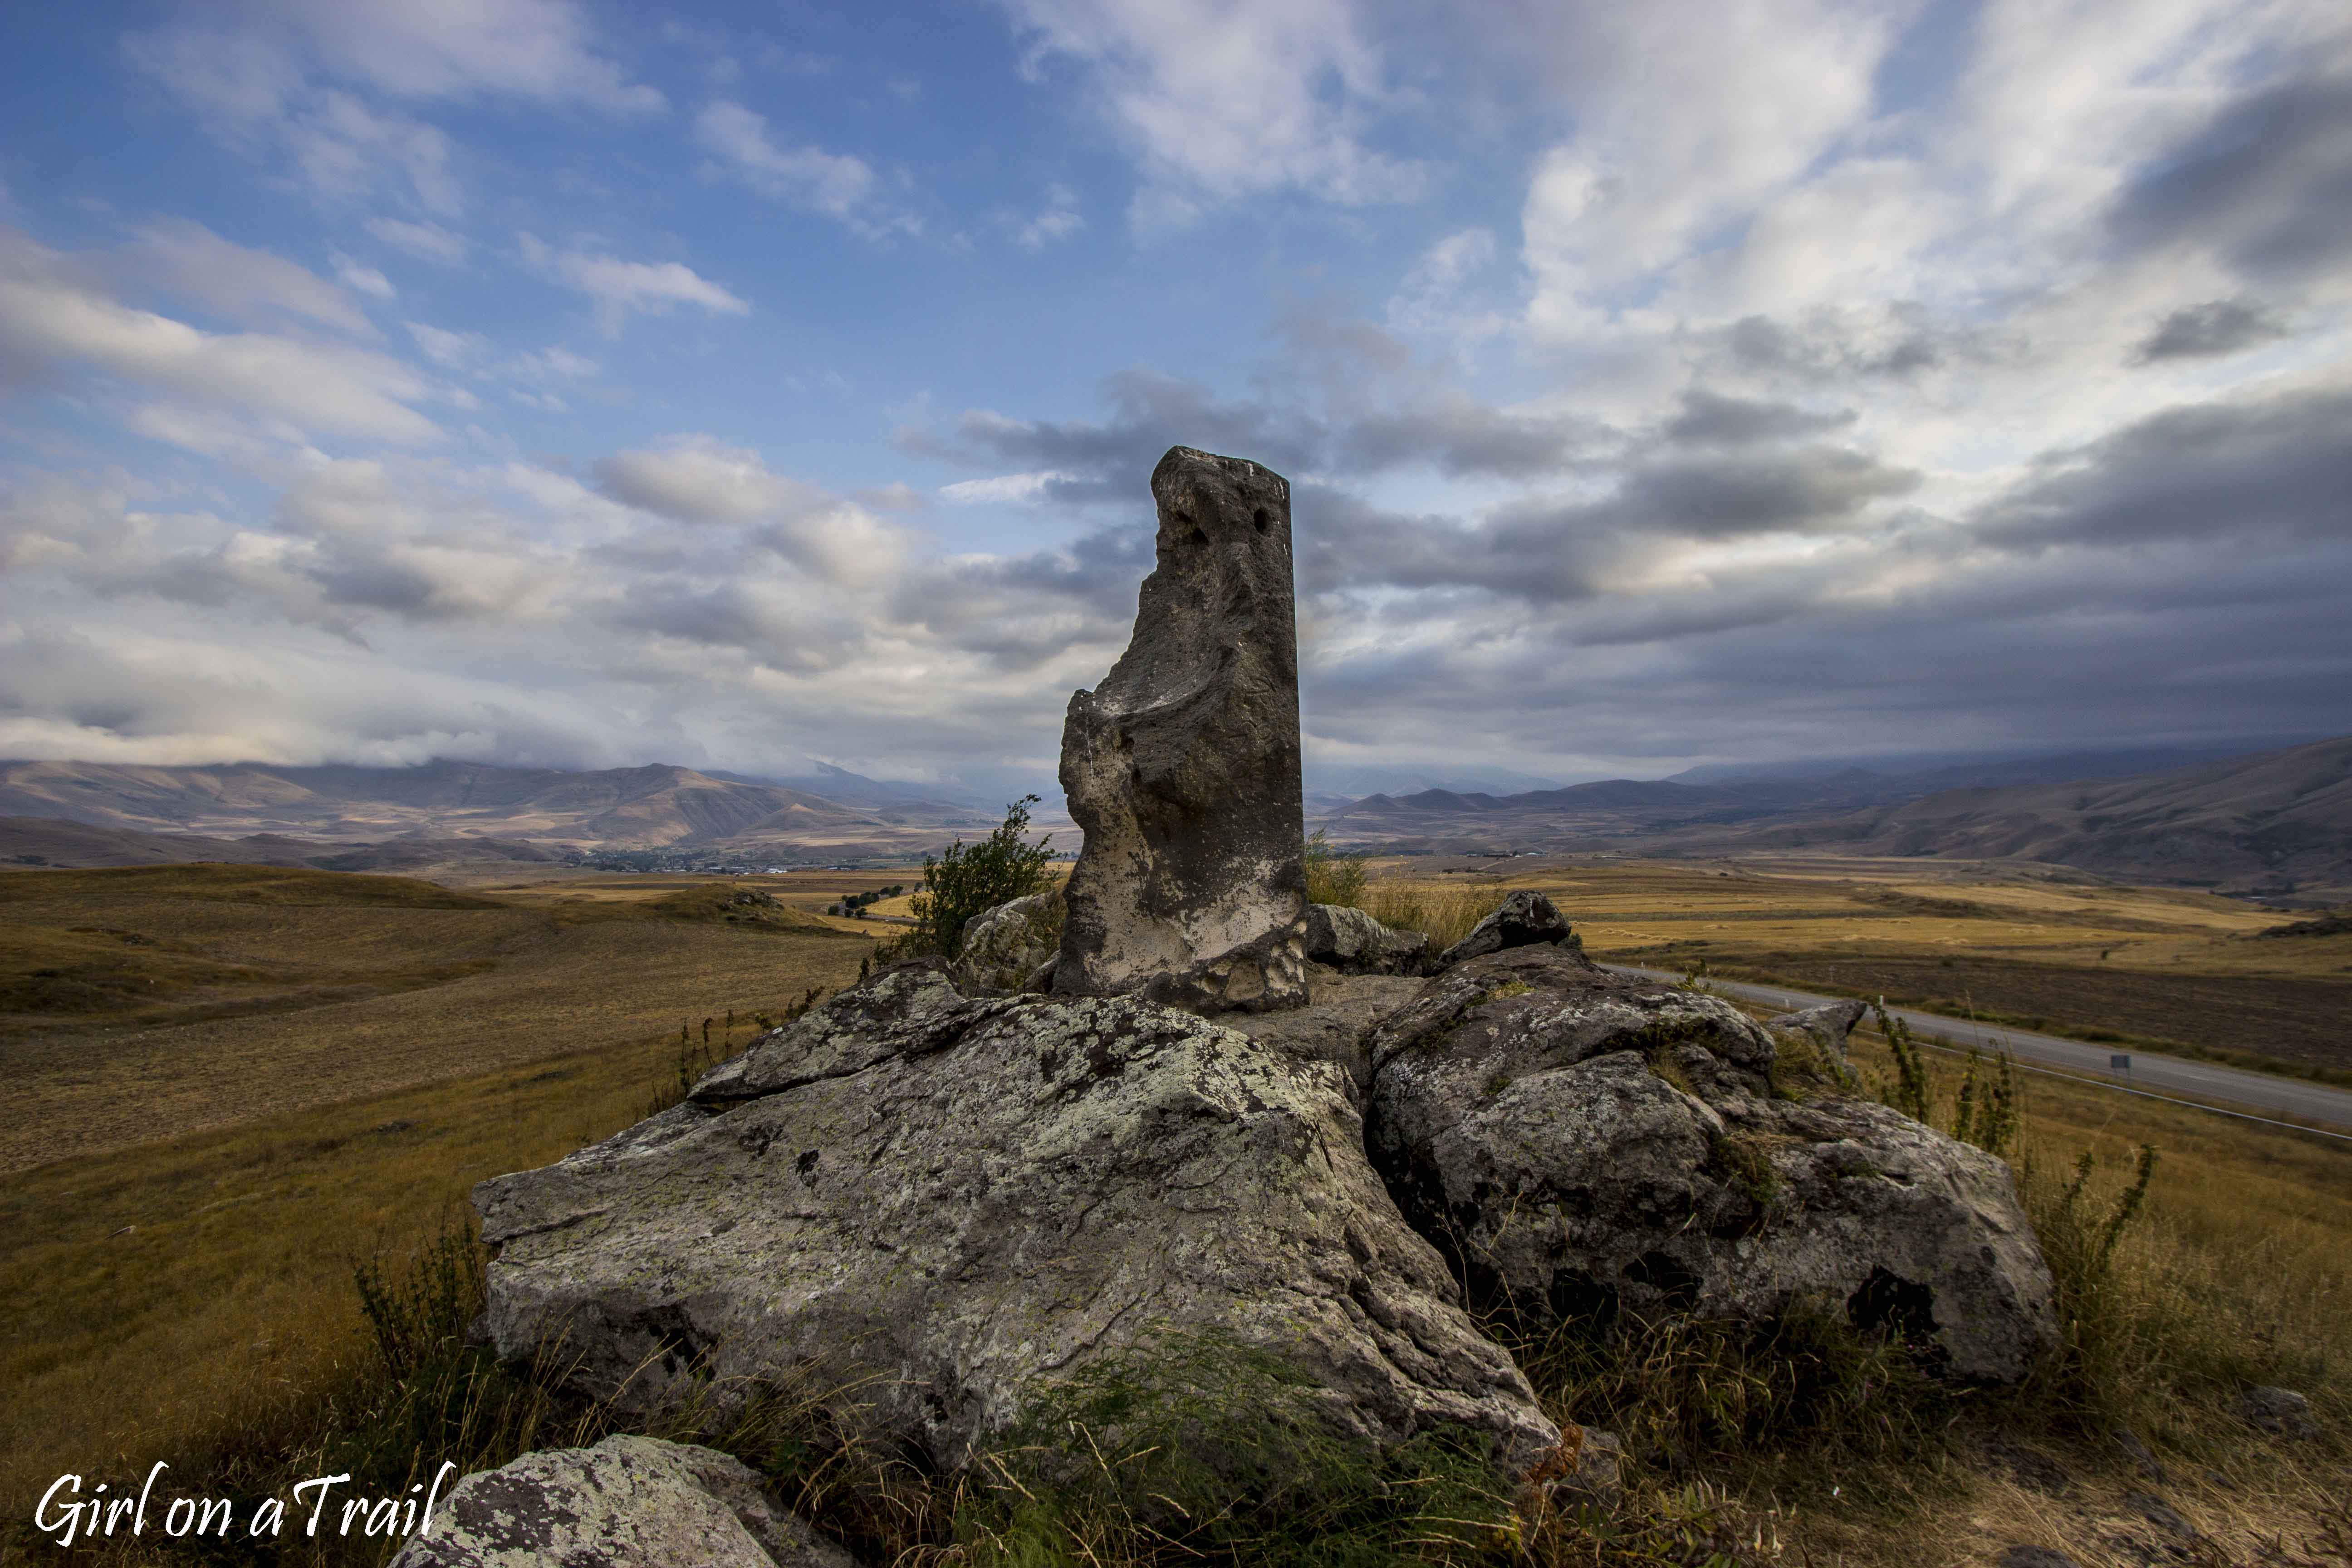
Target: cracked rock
{"x": 1582, "y": 1142}
{"x": 947, "y": 1207}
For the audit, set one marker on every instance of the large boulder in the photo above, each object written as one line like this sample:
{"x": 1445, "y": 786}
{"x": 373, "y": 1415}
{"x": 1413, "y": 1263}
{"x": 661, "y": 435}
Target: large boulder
{"x": 1182, "y": 766}
{"x": 1582, "y": 1142}
{"x": 1353, "y": 943}
{"x": 1000, "y": 950}
{"x": 628, "y": 1502}
{"x": 956, "y": 1205}
{"x": 1522, "y": 920}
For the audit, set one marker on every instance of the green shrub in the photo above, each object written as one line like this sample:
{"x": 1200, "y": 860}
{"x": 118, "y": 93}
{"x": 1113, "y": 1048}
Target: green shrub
{"x": 969, "y": 880}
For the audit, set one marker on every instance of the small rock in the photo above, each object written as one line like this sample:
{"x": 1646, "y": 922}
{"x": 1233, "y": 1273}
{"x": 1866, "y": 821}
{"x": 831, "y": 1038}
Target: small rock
{"x": 626, "y": 1502}
{"x": 1828, "y": 1024}
{"x": 1003, "y": 948}
{"x": 2033, "y": 1557}
{"x": 2281, "y": 1412}
{"x": 1353, "y": 943}
{"x": 1523, "y": 920}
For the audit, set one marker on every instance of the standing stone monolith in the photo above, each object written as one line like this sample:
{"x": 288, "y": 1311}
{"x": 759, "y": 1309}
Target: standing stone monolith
{"x": 1183, "y": 766}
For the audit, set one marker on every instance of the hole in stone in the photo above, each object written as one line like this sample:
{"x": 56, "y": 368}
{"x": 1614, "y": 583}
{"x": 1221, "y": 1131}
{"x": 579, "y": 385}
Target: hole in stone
{"x": 1888, "y": 1303}
{"x": 1676, "y": 1286}
{"x": 1200, "y": 535}
{"x": 1259, "y": 518}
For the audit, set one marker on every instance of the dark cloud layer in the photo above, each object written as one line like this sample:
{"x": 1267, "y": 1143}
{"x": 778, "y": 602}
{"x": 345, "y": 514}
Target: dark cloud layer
{"x": 2210, "y": 330}
{"x": 2226, "y": 475}
{"x": 2266, "y": 182}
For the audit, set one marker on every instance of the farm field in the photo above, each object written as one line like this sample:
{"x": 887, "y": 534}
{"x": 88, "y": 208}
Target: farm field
{"x": 2037, "y": 947}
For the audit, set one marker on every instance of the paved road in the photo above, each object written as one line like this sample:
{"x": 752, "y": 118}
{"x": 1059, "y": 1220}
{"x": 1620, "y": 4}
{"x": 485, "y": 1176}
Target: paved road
{"x": 2151, "y": 1074}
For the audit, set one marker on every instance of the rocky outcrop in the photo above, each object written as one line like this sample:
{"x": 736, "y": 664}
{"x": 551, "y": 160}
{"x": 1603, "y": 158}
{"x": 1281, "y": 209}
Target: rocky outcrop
{"x": 953, "y": 1205}
{"x": 1826, "y": 1025}
{"x": 1522, "y": 920}
{"x": 1000, "y": 950}
{"x": 1353, "y": 943}
{"x": 1182, "y": 766}
{"x": 1583, "y": 1143}
{"x": 628, "y": 1502}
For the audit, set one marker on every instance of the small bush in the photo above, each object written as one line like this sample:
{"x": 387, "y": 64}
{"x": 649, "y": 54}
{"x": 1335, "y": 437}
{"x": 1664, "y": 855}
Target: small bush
{"x": 971, "y": 881}
{"x": 1333, "y": 877}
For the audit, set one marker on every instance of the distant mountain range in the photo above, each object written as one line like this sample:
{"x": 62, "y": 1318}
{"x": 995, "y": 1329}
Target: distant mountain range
{"x": 2275, "y": 822}
{"x": 2272, "y": 822}
{"x": 652, "y": 807}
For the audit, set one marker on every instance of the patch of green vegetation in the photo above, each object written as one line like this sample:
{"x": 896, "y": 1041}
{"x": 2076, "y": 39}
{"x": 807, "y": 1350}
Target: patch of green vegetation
{"x": 966, "y": 881}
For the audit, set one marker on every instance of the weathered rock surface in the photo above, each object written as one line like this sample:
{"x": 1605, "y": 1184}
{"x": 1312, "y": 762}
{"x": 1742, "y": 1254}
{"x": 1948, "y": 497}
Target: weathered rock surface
{"x": 1582, "y": 1141}
{"x": 1827, "y": 1025}
{"x": 1001, "y": 949}
{"x": 962, "y": 1202}
{"x": 1353, "y": 943}
{"x": 1522, "y": 920}
{"x": 1182, "y": 766}
{"x": 628, "y": 1502}
{"x": 1335, "y": 1025}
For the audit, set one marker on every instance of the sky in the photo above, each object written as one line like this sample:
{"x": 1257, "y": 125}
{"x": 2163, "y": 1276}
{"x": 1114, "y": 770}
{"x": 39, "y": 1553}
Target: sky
{"x": 578, "y": 384}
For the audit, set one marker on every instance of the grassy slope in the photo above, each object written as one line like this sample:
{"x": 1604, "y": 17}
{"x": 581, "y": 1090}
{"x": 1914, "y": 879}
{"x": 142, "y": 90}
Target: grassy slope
{"x": 204, "y": 996}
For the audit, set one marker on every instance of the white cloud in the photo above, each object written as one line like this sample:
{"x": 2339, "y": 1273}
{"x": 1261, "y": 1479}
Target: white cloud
{"x": 450, "y": 350}
{"x": 1002, "y": 489}
{"x": 55, "y": 314}
{"x": 695, "y": 479}
{"x": 350, "y": 152}
{"x": 1056, "y": 221}
{"x": 365, "y": 279}
{"x": 1689, "y": 113}
{"x": 428, "y": 241}
{"x": 538, "y": 50}
{"x": 190, "y": 261}
{"x": 619, "y": 288}
{"x": 834, "y": 184}
{"x": 1223, "y": 101}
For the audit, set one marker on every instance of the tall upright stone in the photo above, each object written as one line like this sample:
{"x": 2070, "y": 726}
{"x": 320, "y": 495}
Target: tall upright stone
{"x": 1183, "y": 766}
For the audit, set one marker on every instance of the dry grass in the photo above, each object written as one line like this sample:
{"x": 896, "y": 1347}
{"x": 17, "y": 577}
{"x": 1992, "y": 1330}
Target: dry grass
{"x": 280, "y": 991}
{"x": 161, "y": 1294}
{"x": 192, "y": 1295}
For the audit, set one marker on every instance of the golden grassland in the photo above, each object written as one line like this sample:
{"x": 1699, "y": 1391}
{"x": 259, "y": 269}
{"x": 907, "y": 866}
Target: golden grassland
{"x": 191, "y": 1191}
{"x": 2241, "y": 1261}
{"x": 161, "y": 1293}
{"x": 180, "y": 998}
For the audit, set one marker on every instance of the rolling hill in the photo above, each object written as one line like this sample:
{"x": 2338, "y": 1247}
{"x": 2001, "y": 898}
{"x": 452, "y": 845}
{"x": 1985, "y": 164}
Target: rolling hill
{"x": 439, "y": 811}
{"x": 2275, "y": 822}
